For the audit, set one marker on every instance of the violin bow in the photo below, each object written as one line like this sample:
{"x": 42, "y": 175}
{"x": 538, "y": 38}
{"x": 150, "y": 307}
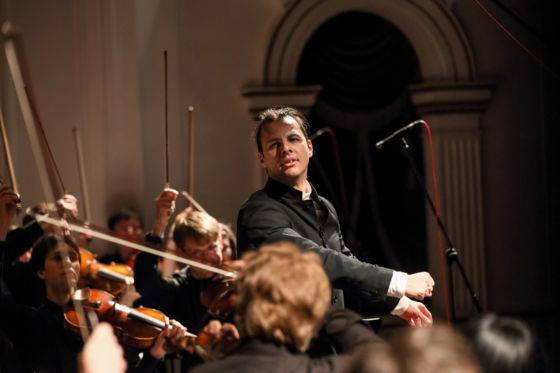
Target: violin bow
{"x": 119, "y": 241}
{"x": 190, "y": 125}
{"x": 82, "y": 173}
{"x": 189, "y": 193}
{"x": 8, "y": 154}
{"x": 166, "y": 154}
{"x": 52, "y": 184}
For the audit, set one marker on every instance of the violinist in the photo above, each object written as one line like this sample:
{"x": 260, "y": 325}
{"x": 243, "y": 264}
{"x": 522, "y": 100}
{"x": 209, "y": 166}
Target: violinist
{"x": 197, "y": 237}
{"x": 40, "y": 339}
{"x": 20, "y": 276}
{"x": 125, "y": 224}
{"x": 282, "y": 301}
{"x": 289, "y": 208}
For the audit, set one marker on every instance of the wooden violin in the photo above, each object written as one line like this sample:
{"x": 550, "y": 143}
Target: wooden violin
{"x": 136, "y": 327}
{"x": 112, "y": 278}
{"x": 218, "y": 296}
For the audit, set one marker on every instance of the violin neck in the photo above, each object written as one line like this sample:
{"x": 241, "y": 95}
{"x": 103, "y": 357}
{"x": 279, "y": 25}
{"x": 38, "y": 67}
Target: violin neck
{"x": 138, "y": 316}
{"x": 114, "y": 276}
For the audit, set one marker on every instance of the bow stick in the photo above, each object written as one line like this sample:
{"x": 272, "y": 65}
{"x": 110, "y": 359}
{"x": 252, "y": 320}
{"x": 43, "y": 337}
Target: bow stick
{"x": 52, "y": 184}
{"x": 107, "y": 237}
{"x": 82, "y": 172}
{"x": 8, "y": 155}
{"x": 191, "y": 149}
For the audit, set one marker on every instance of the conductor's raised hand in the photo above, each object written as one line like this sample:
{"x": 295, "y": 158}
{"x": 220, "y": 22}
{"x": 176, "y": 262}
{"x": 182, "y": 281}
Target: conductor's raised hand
{"x": 419, "y": 285}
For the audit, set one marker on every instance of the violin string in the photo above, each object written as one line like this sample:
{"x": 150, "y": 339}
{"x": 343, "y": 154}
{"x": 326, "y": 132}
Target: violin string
{"x": 134, "y": 245}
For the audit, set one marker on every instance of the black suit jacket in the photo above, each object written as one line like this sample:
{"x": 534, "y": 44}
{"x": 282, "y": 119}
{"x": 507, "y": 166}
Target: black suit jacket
{"x": 278, "y": 213}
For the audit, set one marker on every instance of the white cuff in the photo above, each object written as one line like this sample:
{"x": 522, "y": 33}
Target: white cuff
{"x": 397, "y": 286}
{"x": 401, "y": 307}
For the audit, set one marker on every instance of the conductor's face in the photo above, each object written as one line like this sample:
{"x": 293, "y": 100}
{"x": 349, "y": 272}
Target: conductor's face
{"x": 285, "y": 152}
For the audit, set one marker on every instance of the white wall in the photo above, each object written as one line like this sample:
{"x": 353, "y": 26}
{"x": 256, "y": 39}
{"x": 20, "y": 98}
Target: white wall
{"x": 98, "y": 65}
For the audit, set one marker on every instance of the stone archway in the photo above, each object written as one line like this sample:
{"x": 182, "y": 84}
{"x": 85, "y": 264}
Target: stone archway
{"x": 449, "y": 98}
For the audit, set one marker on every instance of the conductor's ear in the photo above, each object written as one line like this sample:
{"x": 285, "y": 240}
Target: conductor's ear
{"x": 260, "y": 156}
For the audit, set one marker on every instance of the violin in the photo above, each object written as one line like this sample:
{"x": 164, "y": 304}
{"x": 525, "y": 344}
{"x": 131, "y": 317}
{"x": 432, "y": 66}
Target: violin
{"x": 136, "y": 327}
{"x": 112, "y": 278}
{"x": 218, "y": 296}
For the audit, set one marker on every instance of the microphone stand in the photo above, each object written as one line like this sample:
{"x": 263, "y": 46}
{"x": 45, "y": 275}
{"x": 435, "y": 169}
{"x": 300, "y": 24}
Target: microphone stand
{"x": 451, "y": 253}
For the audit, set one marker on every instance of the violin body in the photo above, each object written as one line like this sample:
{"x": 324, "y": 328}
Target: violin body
{"x": 112, "y": 278}
{"x": 136, "y": 327}
{"x": 218, "y": 296}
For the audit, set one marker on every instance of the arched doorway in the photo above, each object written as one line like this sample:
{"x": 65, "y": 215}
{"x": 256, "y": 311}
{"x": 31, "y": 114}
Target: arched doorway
{"x": 365, "y": 65}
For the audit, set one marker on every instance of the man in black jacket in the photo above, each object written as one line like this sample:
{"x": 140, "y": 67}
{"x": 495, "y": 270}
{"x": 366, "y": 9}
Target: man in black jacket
{"x": 289, "y": 208}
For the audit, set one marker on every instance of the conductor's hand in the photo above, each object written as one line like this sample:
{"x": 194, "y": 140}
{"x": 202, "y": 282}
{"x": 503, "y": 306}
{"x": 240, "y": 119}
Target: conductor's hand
{"x": 419, "y": 285}
{"x": 417, "y": 315}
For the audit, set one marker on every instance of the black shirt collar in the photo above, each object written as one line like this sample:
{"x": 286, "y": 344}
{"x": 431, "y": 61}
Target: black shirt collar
{"x": 277, "y": 189}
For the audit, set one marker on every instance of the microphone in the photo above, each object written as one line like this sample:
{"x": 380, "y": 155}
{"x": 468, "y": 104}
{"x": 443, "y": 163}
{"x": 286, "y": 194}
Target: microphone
{"x": 318, "y": 133}
{"x": 380, "y": 144}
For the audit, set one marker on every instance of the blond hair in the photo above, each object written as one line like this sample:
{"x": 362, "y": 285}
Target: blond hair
{"x": 196, "y": 225}
{"x": 283, "y": 295}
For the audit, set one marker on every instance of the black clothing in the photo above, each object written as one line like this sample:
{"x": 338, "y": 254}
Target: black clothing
{"x": 177, "y": 296}
{"x": 20, "y": 279}
{"x": 112, "y": 258}
{"x": 278, "y": 213}
{"x": 41, "y": 342}
{"x": 255, "y": 355}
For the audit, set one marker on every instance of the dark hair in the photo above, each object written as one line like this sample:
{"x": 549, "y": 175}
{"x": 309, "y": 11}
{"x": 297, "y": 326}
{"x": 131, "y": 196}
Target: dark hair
{"x": 277, "y": 113}
{"x": 124, "y": 214}
{"x": 45, "y": 245}
{"x": 502, "y": 344}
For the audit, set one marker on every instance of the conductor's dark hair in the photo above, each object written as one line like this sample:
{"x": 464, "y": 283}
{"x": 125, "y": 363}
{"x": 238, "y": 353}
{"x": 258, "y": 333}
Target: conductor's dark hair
{"x": 277, "y": 113}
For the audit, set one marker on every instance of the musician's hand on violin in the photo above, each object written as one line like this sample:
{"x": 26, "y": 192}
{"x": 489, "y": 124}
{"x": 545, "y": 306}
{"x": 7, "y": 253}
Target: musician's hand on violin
{"x": 168, "y": 341}
{"x": 165, "y": 207}
{"x": 419, "y": 285}
{"x": 102, "y": 353}
{"x": 219, "y": 340}
{"x": 129, "y": 295}
{"x": 234, "y": 265}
